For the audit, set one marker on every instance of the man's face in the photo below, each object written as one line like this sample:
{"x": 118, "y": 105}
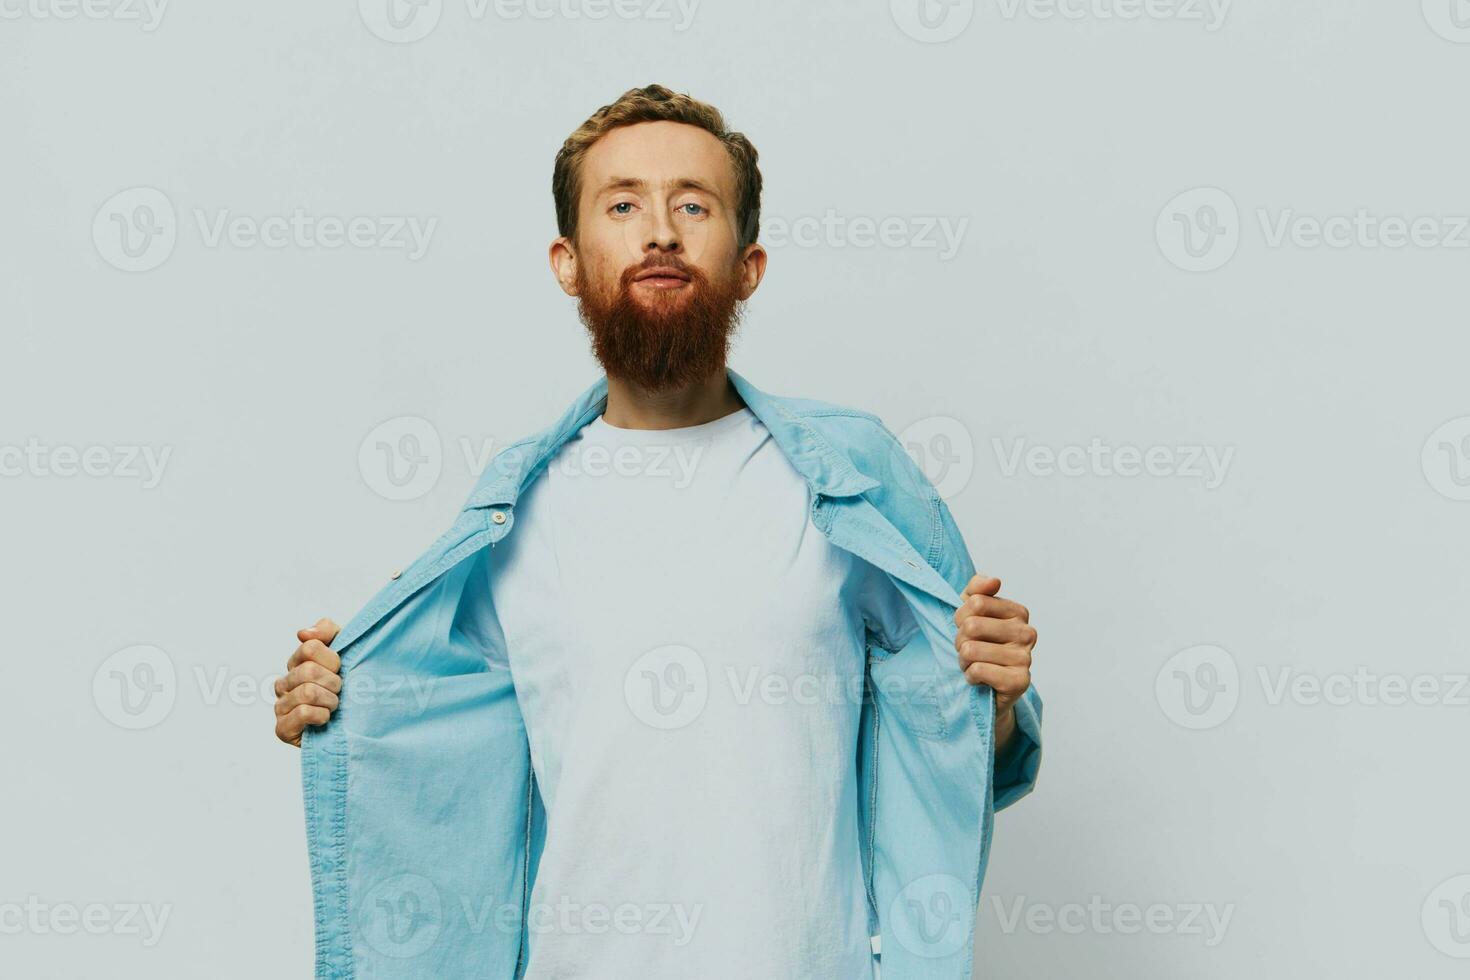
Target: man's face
{"x": 656, "y": 265}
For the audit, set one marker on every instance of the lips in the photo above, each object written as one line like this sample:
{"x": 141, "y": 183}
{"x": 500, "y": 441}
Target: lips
{"x": 663, "y": 275}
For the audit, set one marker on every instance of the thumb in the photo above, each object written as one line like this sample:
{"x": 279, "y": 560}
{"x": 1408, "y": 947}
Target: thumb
{"x": 982, "y": 585}
{"x": 324, "y": 630}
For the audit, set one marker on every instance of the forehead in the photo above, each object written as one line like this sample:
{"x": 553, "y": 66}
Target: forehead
{"x": 659, "y": 152}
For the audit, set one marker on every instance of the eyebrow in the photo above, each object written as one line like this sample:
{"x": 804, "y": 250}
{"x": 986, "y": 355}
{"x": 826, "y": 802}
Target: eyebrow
{"x": 674, "y": 183}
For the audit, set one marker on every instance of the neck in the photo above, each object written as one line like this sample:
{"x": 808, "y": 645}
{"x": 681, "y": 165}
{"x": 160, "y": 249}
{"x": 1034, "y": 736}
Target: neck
{"x": 632, "y": 407}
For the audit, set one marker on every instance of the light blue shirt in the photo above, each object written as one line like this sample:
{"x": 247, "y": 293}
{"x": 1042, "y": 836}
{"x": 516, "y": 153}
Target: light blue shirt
{"x": 425, "y": 827}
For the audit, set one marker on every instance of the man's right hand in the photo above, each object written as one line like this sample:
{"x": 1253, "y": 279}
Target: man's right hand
{"x": 307, "y": 695}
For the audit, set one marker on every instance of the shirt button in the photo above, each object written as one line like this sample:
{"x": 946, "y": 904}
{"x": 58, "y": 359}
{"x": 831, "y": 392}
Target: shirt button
{"x": 498, "y": 516}
{"x": 396, "y": 574}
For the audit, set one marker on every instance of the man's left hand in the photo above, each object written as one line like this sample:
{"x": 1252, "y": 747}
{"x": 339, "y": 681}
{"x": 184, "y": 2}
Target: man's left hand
{"x": 994, "y": 644}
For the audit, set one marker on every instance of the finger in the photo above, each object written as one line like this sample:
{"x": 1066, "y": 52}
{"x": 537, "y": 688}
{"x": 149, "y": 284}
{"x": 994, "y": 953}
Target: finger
{"x": 1005, "y": 681}
{"x": 307, "y": 694}
{"x": 318, "y": 652}
{"x": 992, "y": 606}
{"x": 995, "y": 630}
{"x": 290, "y": 726}
{"x": 324, "y": 630}
{"x": 309, "y": 672}
{"x": 1001, "y": 654}
{"x": 288, "y": 729}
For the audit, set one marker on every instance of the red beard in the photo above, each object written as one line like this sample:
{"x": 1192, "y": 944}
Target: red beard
{"x": 667, "y": 339}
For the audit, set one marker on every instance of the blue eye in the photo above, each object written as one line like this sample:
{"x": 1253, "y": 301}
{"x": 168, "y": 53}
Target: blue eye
{"x": 622, "y": 204}
{"x": 698, "y": 208}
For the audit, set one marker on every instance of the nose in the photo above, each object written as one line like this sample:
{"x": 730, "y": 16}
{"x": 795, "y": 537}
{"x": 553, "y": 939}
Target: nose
{"x": 662, "y": 235}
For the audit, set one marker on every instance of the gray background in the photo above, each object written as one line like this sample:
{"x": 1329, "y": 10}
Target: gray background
{"x": 1171, "y": 605}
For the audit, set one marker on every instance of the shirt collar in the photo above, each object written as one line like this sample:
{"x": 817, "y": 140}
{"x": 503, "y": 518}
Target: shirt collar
{"x": 825, "y": 470}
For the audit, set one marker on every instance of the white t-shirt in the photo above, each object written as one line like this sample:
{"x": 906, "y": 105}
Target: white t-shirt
{"x": 688, "y": 653}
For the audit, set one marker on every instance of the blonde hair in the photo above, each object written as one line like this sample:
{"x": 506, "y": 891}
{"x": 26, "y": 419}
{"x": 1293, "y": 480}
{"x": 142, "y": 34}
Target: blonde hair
{"x": 649, "y": 104}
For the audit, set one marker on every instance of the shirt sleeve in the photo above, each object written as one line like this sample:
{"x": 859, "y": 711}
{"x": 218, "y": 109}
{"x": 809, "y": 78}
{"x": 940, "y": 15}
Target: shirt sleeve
{"x": 1015, "y": 770}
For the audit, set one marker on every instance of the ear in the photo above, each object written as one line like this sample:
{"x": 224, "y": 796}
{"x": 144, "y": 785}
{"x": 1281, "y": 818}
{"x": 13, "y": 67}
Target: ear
{"x": 753, "y": 269}
{"x": 564, "y": 264}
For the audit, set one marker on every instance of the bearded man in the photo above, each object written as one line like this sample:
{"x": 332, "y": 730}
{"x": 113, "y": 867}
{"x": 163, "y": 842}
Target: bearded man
{"x": 707, "y": 685}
